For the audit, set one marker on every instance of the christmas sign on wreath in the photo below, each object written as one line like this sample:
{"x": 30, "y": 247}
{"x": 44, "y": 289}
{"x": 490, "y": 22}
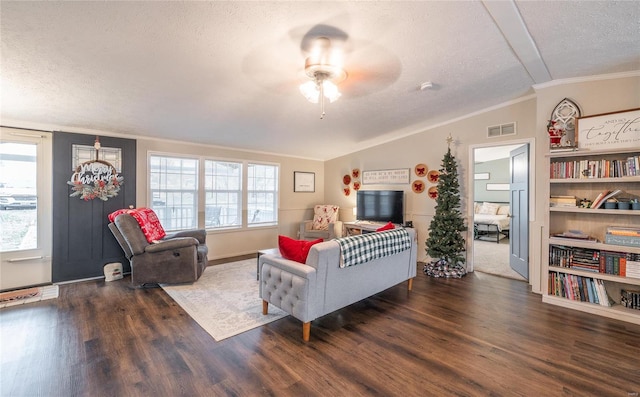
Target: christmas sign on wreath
{"x": 95, "y": 179}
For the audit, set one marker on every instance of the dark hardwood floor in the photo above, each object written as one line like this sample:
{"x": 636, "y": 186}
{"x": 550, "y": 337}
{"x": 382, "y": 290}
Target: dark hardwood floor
{"x": 480, "y": 335}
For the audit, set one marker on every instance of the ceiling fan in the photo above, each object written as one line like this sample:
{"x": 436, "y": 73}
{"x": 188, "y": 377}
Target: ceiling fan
{"x": 334, "y": 58}
{"x": 347, "y": 67}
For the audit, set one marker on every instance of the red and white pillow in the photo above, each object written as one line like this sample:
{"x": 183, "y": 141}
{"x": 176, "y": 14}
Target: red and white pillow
{"x": 148, "y": 221}
{"x": 323, "y": 215}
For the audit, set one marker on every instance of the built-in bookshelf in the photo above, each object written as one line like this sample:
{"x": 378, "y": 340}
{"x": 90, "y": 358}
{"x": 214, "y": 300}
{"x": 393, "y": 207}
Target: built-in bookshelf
{"x": 585, "y": 270}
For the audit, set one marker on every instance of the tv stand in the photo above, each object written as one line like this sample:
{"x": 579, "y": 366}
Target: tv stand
{"x": 360, "y": 227}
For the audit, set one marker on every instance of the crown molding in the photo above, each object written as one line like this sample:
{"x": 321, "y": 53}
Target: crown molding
{"x": 27, "y": 125}
{"x": 584, "y": 79}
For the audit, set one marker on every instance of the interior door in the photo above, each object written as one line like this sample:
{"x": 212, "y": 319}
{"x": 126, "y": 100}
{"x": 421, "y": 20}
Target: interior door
{"x": 25, "y": 208}
{"x": 519, "y": 204}
{"x": 82, "y": 242}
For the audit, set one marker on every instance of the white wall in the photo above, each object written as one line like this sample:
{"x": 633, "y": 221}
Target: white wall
{"x": 498, "y": 171}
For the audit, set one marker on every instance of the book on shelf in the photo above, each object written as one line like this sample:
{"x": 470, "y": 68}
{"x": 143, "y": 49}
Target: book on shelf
{"x": 623, "y": 264}
{"x": 605, "y": 300}
{"x": 563, "y": 201}
{"x": 604, "y": 168}
{"x": 578, "y": 288}
{"x": 614, "y": 263}
{"x": 598, "y": 198}
{"x": 574, "y": 234}
{"x": 630, "y": 299}
{"x": 624, "y": 231}
{"x": 633, "y": 266}
{"x": 603, "y": 197}
{"x": 628, "y": 241}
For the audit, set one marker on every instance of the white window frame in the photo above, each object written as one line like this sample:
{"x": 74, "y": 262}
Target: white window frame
{"x": 218, "y": 216}
{"x": 201, "y": 191}
{"x": 253, "y": 217}
{"x": 163, "y": 210}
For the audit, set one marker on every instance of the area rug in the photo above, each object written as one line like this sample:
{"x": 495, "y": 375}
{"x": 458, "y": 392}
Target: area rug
{"x": 225, "y": 300}
{"x": 28, "y": 295}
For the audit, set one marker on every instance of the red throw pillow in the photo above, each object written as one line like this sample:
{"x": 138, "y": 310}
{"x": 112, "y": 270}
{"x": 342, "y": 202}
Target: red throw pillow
{"x": 388, "y": 226}
{"x": 295, "y": 250}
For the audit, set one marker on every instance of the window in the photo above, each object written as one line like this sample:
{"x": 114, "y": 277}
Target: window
{"x": 173, "y": 185}
{"x": 83, "y": 153}
{"x": 234, "y": 194}
{"x": 18, "y": 196}
{"x": 223, "y": 193}
{"x": 262, "y": 194}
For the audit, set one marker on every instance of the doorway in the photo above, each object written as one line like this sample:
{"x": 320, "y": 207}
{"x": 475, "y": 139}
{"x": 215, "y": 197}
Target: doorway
{"x": 495, "y": 244}
{"x": 25, "y": 208}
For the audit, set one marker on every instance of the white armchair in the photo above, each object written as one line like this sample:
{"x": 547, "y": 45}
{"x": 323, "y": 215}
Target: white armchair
{"x": 325, "y": 224}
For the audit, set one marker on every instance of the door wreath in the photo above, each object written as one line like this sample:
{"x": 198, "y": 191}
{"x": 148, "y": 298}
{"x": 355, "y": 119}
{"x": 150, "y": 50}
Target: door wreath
{"x": 95, "y": 179}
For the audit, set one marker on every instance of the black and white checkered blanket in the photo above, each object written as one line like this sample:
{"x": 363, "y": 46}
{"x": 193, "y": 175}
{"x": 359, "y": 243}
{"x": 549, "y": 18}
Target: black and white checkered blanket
{"x": 369, "y": 246}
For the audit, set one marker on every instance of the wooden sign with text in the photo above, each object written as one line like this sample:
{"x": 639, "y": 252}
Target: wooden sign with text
{"x": 609, "y": 130}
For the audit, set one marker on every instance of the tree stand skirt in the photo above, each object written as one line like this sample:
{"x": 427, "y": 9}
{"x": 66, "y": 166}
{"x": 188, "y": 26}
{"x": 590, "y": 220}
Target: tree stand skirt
{"x": 442, "y": 268}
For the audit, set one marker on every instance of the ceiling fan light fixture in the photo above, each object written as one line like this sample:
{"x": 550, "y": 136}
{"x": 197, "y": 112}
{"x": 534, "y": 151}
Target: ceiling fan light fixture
{"x": 324, "y": 69}
{"x": 311, "y": 90}
{"x": 329, "y": 71}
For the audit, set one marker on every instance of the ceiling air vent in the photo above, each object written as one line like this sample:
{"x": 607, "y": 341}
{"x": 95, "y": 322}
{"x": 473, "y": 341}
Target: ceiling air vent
{"x": 501, "y": 130}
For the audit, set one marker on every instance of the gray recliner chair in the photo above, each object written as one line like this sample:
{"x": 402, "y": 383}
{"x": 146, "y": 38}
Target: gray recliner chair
{"x": 178, "y": 258}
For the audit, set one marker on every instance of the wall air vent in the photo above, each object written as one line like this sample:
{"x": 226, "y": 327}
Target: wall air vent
{"x": 501, "y": 130}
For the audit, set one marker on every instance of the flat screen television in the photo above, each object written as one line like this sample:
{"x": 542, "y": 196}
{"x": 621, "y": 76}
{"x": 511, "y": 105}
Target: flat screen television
{"x": 380, "y": 206}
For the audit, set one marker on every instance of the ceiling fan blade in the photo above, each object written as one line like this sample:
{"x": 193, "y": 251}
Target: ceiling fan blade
{"x": 336, "y": 35}
{"x": 371, "y": 68}
{"x": 267, "y": 68}
{"x": 278, "y": 68}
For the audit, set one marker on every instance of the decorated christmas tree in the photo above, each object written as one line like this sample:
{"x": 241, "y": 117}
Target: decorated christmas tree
{"x": 446, "y": 244}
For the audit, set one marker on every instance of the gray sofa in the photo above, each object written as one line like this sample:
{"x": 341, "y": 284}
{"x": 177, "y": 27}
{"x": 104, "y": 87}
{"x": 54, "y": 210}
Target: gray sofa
{"x": 321, "y": 286}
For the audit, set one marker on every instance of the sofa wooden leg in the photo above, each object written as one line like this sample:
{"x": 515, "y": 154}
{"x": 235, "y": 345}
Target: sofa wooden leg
{"x": 306, "y": 331}
{"x": 265, "y": 307}
{"x": 410, "y": 284}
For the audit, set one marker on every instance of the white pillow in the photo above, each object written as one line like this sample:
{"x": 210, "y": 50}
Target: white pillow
{"x": 503, "y": 210}
{"x": 476, "y": 207}
{"x": 489, "y": 208}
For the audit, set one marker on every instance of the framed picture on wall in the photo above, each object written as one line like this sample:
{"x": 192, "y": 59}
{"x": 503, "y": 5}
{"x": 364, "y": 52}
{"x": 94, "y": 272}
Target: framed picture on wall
{"x": 304, "y": 181}
{"x": 478, "y": 176}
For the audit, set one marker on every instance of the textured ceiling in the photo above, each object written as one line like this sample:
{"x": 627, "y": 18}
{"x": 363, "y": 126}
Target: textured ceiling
{"x": 227, "y": 73}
